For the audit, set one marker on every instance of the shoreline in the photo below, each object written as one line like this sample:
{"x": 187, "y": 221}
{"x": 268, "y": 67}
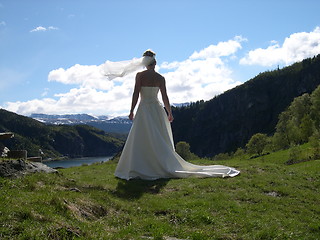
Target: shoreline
{"x": 74, "y": 162}
{"x": 73, "y": 158}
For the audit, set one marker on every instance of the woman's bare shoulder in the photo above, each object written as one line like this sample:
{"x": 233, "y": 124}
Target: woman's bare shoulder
{"x": 159, "y": 75}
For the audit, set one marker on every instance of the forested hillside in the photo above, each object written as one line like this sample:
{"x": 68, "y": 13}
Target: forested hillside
{"x": 55, "y": 141}
{"x": 227, "y": 121}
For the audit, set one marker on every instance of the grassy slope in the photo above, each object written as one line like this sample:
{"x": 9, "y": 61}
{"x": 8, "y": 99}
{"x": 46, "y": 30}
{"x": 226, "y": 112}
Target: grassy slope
{"x": 269, "y": 200}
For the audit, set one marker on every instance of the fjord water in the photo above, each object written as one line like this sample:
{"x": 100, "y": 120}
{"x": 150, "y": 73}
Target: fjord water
{"x": 76, "y": 162}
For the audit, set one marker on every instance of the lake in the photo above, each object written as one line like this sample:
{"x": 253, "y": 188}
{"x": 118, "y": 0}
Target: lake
{"x": 75, "y": 162}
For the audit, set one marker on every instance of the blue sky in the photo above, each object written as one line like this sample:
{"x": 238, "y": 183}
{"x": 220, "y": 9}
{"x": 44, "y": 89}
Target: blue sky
{"x": 51, "y": 51}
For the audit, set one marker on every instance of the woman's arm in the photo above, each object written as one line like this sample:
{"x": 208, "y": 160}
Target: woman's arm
{"x": 135, "y": 95}
{"x": 165, "y": 99}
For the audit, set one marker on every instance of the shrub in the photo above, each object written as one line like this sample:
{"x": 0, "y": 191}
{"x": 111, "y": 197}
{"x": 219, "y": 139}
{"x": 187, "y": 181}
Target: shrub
{"x": 183, "y": 149}
{"x": 257, "y": 144}
{"x": 295, "y": 155}
{"x": 221, "y": 156}
{"x": 240, "y": 153}
{"x": 314, "y": 141}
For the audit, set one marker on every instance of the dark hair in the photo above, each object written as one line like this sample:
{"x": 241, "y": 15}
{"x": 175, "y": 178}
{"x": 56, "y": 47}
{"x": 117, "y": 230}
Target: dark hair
{"x": 149, "y": 53}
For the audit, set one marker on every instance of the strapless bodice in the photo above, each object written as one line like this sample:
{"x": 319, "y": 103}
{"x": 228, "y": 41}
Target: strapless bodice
{"x": 149, "y": 94}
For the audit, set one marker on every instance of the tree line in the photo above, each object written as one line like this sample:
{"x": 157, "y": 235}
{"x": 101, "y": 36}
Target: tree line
{"x": 228, "y": 121}
{"x": 297, "y": 125}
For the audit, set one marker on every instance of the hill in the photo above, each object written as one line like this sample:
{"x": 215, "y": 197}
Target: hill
{"x": 55, "y": 141}
{"x": 268, "y": 200}
{"x": 227, "y": 121}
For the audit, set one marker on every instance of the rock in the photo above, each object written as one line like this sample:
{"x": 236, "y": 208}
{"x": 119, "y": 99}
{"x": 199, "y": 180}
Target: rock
{"x": 4, "y": 151}
{"x": 20, "y": 167}
{"x": 17, "y": 154}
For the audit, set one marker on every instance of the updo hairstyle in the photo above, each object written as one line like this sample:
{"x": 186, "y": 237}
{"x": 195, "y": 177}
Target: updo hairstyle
{"x": 149, "y": 58}
{"x": 149, "y": 53}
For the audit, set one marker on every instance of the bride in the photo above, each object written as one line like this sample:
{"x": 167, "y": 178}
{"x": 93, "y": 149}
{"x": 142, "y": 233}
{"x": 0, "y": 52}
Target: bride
{"x": 149, "y": 150}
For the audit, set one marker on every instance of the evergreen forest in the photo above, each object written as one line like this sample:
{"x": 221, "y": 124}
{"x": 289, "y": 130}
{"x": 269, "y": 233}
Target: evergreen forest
{"x": 228, "y": 121}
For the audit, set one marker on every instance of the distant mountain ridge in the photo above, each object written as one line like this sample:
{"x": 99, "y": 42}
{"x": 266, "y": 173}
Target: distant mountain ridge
{"x": 227, "y": 121}
{"x": 72, "y": 117}
{"x": 119, "y": 125}
{"x": 56, "y": 140}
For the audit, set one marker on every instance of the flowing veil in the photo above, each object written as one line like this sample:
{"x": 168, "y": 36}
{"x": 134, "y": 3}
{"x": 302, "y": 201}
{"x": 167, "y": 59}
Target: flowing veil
{"x": 122, "y": 68}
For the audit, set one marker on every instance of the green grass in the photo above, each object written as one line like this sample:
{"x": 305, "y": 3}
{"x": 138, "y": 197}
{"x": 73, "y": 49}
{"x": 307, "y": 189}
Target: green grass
{"x": 268, "y": 200}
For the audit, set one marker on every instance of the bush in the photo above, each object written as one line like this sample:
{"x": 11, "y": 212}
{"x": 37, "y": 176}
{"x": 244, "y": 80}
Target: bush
{"x": 221, "y": 156}
{"x": 314, "y": 141}
{"x": 295, "y": 155}
{"x": 240, "y": 153}
{"x": 257, "y": 144}
{"x": 183, "y": 149}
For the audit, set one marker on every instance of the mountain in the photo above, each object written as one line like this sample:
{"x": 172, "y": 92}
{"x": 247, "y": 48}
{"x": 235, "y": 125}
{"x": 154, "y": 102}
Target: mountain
{"x": 227, "y": 121}
{"x": 116, "y": 125}
{"x": 55, "y": 141}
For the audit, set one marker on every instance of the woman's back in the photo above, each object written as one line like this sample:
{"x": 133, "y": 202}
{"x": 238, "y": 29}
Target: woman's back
{"x": 149, "y": 94}
{"x": 150, "y": 78}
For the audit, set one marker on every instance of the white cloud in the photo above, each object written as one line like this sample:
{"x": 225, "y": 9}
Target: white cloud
{"x": 221, "y": 49}
{"x": 202, "y": 76}
{"x": 194, "y": 80}
{"x": 296, "y": 47}
{"x": 3, "y": 23}
{"x": 77, "y": 100}
{"x": 38, "y": 29}
{"x": 43, "y": 29}
{"x": 83, "y": 75}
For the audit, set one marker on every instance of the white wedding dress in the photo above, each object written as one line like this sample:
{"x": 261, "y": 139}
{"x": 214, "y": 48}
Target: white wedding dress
{"x": 149, "y": 150}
